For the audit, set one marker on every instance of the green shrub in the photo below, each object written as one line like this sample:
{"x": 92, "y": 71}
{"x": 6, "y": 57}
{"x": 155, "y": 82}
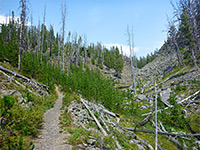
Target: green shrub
{"x": 174, "y": 116}
{"x": 19, "y": 122}
{"x": 109, "y": 142}
{"x": 78, "y": 136}
{"x": 93, "y": 60}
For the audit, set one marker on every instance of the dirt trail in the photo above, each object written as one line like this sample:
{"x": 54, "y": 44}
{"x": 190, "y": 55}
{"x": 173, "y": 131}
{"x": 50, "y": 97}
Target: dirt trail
{"x": 50, "y": 137}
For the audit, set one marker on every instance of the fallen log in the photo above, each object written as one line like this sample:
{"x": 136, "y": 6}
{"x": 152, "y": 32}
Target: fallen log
{"x": 13, "y": 80}
{"x": 160, "y": 147}
{"x": 23, "y": 77}
{"x": 169, "y": 78}
{"x": 191, "y": 101}
{"x": 146, "y": 119}
{"x": 101, "y": 118}
{"x": 93, "y": 116}
{"x": 145, "y": 142}
{"x": 191, "y": 112}
{"x": 98, "y": 123}
{"x": 122, "y": 87}
{"x": 154, "y": 111}
{"x": 162, "y": 133}
{"x": 117, "y": 143}
{"x": 107, "y": 111}
{"x": 110, "y": 113}
{"x": 193, "y": 132}
{"x": 173, "y": 138}
{"x": 100, "y": 107}
{"x": 169, "y": 137}
{"x": 166, "y": 103}
{"x": 189, "y": 97}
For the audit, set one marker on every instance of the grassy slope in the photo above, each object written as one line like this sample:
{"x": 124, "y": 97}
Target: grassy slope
{"x": 21, "y": 123}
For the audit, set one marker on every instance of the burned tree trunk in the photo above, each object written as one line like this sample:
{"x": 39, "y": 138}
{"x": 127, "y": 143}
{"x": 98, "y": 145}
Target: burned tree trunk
{"x": 78, "y": 60}
{"x": 131, "y": 45}
{"x": 51, "y": 37}
{"x": 63, "y": 37}
{"x": 69, "y": 51}
{"x": 172, "y": 36}
{"x": 38, "y": 39}
{"x": 85, "y": 49}
{"x": 22, "y": 43}
{"x": 42, "y": 47}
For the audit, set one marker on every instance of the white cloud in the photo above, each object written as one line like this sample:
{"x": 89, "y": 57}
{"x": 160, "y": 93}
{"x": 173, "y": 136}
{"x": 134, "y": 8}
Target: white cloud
{"x": 125, "y": 48}
{"x": 5, "y": 19}
{"x": 159, "y": 44}
{"x": 139, "y": 51}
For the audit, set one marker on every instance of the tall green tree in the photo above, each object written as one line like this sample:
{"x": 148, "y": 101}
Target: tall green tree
{"x": 187, "y": 30}
{"x": 118, "y": 64}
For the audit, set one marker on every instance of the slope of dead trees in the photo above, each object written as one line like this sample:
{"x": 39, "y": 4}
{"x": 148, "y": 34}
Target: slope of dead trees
{"x": 23, "y": 78}
{"x": 110, "y": 121}
{"x": 186, "y": 30}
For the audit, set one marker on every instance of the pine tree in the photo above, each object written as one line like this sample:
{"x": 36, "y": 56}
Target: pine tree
{"x": 118, "y": 62}
{"x": 186, "y": 30}
{"x": 172, "y": 38}
{"x": 51, "y": 39}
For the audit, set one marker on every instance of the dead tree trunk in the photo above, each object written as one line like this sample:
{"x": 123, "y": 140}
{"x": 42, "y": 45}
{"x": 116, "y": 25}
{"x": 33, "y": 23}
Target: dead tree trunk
{"x": 146, "y": 119}
{"x": 71, "y": 54}
{"x": 51, "y": 36}
{"x": 133, "y": 69}
{"x": 189, "y": 7}
{"x": 95, "y": 119}
{"x": 131, "y": 45}
{"x": 58, "y": 49}
{"x": 193, "y": 11}
{"x": 172, "y": 35}
{"x": 78, "y": 60}
{"x": 74, "y": 46}
{"x": 173, "y": 139}
{"x": 38, "y": 39}
{"x": 22, "y": 32}
{"x": 31, "y": 32}
{"x": 69, "y": 50}
{"x": 162, "y": 133}
{"x": 156, "y": 130}
{"x": 42, "y": 47}
{"x": 85, "y": 49}
{"x": 28, "y": 41}
{"x": 63, "y": 36}
{"x": 178, "y": 53}
{"x": 22, "y": 77}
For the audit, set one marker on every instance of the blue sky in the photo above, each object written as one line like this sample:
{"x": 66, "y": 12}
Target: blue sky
{"x": 104, "y": 21}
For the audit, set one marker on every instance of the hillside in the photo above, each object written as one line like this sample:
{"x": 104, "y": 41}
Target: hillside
{"x": 71, "y": 95}
{"x": 174, "y": 83}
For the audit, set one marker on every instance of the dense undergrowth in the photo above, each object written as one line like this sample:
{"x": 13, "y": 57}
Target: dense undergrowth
{"x": 20, "y": 122}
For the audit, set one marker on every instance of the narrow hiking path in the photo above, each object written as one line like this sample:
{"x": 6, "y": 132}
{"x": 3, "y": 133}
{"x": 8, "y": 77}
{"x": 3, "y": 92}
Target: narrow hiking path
{"x": 50, "y": 137}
